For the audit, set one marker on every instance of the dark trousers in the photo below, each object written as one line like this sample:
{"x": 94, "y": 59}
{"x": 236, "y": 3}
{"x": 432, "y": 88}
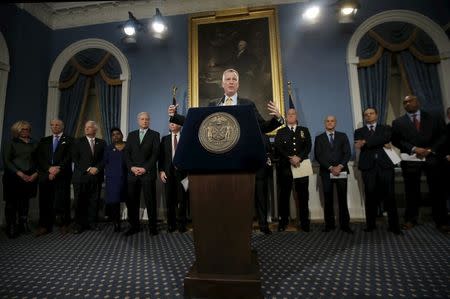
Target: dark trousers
{"x": 87, "y": 196}
{"x": 16, "y": 209}
{"x": 379, "y": 185}
{"x": 54, "y": 200}
{"x": 302, "y": 192}
{"x": 261, "y": 196}
{"x": 17, "y": 194}
{"x": 412, "y": 172}
{"x": 176, "y": 200}
{"x": 147, "y": 185}
{"x": 328, "y": 203}
{"x": 113, "y": 210}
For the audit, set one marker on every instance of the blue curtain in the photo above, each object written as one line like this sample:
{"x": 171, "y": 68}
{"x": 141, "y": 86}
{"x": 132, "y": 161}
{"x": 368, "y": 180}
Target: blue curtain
{"x": 109, "y": 96}
{"x": 424, "y": 81}
{"x": 373, "y": 85}
{"x": 70, "y": 104}
{"x": 422, "y": 77}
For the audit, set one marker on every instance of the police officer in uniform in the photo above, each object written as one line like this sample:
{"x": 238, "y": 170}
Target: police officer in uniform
{"x": 293, "y": 145}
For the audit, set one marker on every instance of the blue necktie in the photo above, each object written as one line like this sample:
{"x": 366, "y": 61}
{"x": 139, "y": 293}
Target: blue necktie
{"x": 55, "y": 142}
{"x": 331, "y": 139}
{"x": 55, "y": 145}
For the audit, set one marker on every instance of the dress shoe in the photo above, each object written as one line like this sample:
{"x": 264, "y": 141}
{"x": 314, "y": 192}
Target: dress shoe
{"x": 328, "y": 229}
{"x": 77, "y": 229}
{"x": 347, "y": 230}
{"x": 41, "y": 231}
{"x": 444, "y": 229}
{"x": 396, "y": 231}
{"x": 95, "y": 227}
{"x": 117, "y": 227}
{"x": 281, "y": 228}
{"x": 131, "y": 231}
{"x": 182, "y": 229}
{"x": 64, "y": 230}
{"x": 408, "y": 225}
{"x": 266, "y": 230}
{"x": 11, "y": 231}
{"x": 171, "y": 229}
{"x": 303, "y": 229}
{"x": 153, "y": 231}
{"x": 369, "y": 229}
{"x": 23, "y": 227}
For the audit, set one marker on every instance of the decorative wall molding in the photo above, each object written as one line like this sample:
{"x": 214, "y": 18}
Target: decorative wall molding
{"x": 4, "y": 72}
{"x": 435, "y": 32}
{"x": 76, "y": 14}
{"x": 63, "y": 58}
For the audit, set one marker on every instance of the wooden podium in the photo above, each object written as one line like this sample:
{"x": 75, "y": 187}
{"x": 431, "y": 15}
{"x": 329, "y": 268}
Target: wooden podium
{"x": 221, "y": 190}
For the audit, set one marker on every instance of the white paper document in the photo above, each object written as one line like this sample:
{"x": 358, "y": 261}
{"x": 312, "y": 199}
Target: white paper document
{"x": 305, "y": 169}
{"x": 392, "y": 155}
{"x": 341, "y": 175}
{"x": 406, "y": 157}
{"x": 185, "y": 183}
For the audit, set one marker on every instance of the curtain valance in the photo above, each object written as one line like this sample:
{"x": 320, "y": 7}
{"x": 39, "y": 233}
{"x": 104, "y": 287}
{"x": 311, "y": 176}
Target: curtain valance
{"x": 91, "y": 62}
{"x": 396, "y": 37}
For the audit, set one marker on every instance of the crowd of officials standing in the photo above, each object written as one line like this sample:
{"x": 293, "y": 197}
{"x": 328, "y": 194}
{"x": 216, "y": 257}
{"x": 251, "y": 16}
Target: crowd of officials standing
{"x": 132, "y": 167}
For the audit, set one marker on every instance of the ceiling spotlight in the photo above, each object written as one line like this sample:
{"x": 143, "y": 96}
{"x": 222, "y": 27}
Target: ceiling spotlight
{"x": 158, "y": 26}
{"x": 132, "y": 25}
{"x": 129, "y": 30}
{"x": 347, "y": 10}
{"x": 311, "y": 13}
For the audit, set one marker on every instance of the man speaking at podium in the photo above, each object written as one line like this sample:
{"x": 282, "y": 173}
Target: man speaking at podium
{"x": 230, "y": 84}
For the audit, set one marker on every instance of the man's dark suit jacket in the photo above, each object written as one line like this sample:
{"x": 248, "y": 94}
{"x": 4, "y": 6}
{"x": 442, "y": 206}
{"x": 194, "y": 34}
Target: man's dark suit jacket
{"x": 372, "y": 153}
{"x": 286, "y": 145}
{"x": 328, "y": 155}
{"x": 445, "y": 149}
{"x": 266, "y": 126}
{"x": 405, "y": 135}
{"x": 83, "y": 159}
{"x": 143, "y": 154}
{"x": 62, "y": 157}
{"x": 165, "y": 157}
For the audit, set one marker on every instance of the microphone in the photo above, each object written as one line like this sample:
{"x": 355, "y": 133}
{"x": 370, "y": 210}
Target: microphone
{"x": 221, "y": 101}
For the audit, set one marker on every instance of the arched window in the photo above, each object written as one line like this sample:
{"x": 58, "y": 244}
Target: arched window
{"x": 54, "y": 93}
{"x": 434, "y": 31}
{"x": 90, "y": 89}
{"x": 396, "y": 59}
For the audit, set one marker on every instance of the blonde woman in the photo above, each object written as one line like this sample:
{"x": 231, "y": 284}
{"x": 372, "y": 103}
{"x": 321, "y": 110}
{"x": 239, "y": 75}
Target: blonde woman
{"x": 19, "y": 179}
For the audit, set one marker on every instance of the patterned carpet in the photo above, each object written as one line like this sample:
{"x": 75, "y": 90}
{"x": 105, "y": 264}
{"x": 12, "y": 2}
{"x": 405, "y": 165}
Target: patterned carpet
{"x": 103, "y": 264}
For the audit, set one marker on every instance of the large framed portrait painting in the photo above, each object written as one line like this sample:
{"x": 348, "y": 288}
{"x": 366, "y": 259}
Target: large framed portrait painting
{"x": 245, "y": 40}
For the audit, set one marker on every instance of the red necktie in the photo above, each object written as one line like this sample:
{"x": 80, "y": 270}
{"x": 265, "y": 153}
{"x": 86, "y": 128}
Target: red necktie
{"x": 416, "y": 122}
{"x": 175, "y": 143}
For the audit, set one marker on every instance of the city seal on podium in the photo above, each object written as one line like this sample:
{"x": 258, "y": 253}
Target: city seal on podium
{"x": 219, "y": 132}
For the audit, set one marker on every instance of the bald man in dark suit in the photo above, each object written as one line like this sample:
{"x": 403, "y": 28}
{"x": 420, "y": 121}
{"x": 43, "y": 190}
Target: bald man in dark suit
{"x": 332, "y": 151}
{"x": 420, "y": 133}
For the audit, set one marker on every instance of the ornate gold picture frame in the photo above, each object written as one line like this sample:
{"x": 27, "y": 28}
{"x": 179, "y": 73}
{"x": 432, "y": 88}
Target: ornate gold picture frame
{"x": 243, "y": 39}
